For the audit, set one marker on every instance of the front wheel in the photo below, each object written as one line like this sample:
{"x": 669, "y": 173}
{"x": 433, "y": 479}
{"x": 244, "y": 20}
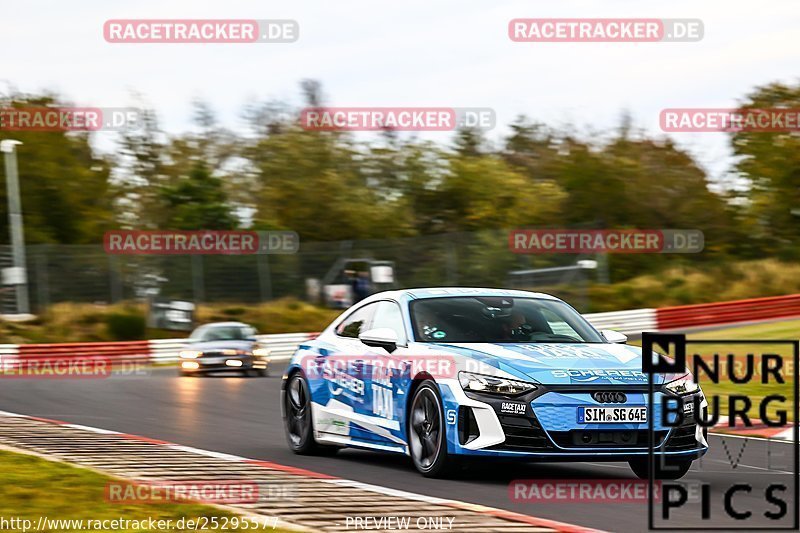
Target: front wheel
{"x": 666, "y": 469}
{"x": 426, "y": 433}
{"x": 297, "y": 419}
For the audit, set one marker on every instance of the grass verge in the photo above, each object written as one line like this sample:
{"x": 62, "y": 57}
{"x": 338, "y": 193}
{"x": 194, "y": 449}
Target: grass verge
{"x": 33, "y": 487}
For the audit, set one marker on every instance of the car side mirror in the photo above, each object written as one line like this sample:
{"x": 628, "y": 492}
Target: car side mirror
{"x": 380, "y": 338}
{"x": 614, "y": 337}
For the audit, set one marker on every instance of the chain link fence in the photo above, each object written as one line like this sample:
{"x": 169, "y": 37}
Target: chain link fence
{"x": 85, "y": 273}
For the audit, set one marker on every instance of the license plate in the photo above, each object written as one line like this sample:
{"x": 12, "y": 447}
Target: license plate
{"x": 612, "y": 415}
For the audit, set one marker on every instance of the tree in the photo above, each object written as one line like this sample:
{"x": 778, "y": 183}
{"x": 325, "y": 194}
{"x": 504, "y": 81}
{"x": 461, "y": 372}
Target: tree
{"x": 64, "y": 185}
{"x": 197, "y": 201}
{"x": 770, "y": 163}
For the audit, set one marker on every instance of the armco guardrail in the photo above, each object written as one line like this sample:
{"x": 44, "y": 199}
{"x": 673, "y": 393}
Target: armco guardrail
{"x": 631, "y": 322}
{"x": 686, "y": 316}
{"x": 113, "y": 351}
{"x": 281, "y": 346}
{"x": 166, "y": 350}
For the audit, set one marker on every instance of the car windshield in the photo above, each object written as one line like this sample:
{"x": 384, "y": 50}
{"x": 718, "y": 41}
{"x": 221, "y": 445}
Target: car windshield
{"x": 499, "y": 319}
{"x": 223, "y": 333}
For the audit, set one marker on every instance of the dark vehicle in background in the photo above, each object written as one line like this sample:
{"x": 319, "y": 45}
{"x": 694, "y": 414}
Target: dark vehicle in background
{"x": 224, "y": 347}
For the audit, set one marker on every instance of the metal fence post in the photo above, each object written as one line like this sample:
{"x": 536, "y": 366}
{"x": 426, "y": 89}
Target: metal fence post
{"x": 197, "y": 278}
{"x": 264, "y": 279}
{"x": 114, "y": 275}
{"x": 42, "y": 280}
{"x": 8, "y": 147}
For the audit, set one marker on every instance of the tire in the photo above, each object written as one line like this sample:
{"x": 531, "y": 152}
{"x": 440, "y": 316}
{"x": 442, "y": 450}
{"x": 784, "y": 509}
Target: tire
{"x": 264, "y": 373}
{"x": 297, "y": 422}
{"x": 426, "y": 433}
{"x": 674, "y": 468}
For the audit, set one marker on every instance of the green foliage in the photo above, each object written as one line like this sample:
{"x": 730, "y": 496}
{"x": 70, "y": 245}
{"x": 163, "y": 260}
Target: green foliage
{"x": 332, "y": 186}
{"x": 128, "y": 326}
{"x": 64, "y": 185}
{"x": 197, "y": 201}
{"x": 770, "y": 163}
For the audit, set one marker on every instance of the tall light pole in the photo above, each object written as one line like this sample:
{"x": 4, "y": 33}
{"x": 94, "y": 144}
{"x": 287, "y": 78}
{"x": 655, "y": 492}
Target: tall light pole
{"x": 17, "y": 275}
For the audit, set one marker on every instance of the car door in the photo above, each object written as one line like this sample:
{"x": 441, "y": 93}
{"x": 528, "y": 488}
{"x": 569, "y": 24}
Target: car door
{"x": 386, "y": 376}
{"x": 343, "y": 375}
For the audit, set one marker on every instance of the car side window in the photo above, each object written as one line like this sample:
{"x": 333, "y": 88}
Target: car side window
{"x": 388, "y": 315}
{"x": 358, "y": 322}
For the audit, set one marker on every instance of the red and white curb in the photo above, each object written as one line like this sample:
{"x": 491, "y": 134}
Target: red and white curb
{"x": 757, "y": 430}
{"x": 326, "y": 513}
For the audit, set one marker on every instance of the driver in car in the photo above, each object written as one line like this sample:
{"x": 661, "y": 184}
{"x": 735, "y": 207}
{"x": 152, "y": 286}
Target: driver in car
{"x": 516, "y": 327}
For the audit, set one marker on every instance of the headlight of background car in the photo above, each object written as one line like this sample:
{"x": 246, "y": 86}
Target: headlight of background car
{"x": 493, "y": 385}
{"x": 190, "y": 354}
{"x": 261, "y": 352}
{"x": 683, "y": 385}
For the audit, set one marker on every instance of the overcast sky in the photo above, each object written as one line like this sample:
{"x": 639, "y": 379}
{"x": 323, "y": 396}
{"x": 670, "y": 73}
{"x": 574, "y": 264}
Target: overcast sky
{"x": 411, "y": 53}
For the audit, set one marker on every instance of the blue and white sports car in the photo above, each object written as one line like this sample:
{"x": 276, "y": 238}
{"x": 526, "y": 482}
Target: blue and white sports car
{"x": 447, "y": 374}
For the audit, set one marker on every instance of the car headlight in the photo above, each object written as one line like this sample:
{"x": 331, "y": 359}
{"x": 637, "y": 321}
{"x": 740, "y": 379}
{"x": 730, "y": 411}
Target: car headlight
{"x": 493, "y": 384}
{"x": 683, "y": 385}
{"x": 190, "y": 354}
{"x": 261, "y": 352}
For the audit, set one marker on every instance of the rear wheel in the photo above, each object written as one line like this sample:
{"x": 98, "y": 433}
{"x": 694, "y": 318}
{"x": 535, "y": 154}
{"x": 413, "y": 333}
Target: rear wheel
{"x": 426, "y": 433}
{"x": 666, "y": 469}
{"x": 297, "y": 421}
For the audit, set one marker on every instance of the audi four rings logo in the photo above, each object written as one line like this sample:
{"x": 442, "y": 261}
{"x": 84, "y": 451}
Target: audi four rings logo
{"x": 610, "y": 397}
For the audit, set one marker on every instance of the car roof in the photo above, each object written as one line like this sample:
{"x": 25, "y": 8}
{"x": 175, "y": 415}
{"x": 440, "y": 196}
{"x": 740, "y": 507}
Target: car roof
{"x": 224, "y": 324}
{"x": 444, "y": 292}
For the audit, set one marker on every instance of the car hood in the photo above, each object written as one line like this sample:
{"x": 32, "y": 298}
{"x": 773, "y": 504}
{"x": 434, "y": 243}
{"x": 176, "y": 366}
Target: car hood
{"x": 563, "y": 364}
{"x": 210, "y": 346}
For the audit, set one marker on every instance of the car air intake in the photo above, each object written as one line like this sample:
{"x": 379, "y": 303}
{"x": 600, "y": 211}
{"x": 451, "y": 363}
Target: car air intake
{"x": 467, "y": 425}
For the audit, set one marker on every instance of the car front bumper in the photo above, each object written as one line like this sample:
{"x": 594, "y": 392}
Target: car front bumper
{"x": 223, "y": 364}
{"x": 544, "y": 425}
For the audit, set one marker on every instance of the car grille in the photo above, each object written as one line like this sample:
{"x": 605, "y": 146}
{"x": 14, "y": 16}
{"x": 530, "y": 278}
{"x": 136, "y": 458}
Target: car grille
{"x": 600, "y": 438}
{"x": 683, "y": 438}
{"x": 522, "y": 435}
{"x": 525, "y": 434}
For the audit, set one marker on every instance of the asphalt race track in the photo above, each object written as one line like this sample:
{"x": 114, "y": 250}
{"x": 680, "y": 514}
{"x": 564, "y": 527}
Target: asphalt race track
{"x": 241, "y": 416}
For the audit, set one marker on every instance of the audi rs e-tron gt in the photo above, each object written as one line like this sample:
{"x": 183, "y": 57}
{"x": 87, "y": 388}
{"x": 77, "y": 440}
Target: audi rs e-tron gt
{"x": 446, "y": 374}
